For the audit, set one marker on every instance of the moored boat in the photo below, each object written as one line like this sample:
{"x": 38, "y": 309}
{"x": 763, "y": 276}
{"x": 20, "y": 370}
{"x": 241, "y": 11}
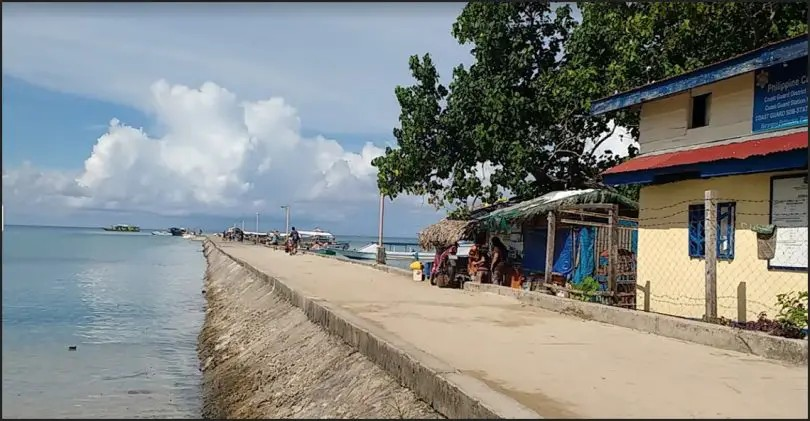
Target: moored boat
{"x": 393, "y": 251}
{"x": 123, "y": 228}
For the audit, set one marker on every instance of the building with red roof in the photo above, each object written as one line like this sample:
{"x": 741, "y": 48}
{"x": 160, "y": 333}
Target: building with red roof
{"x": 738, "y": 129}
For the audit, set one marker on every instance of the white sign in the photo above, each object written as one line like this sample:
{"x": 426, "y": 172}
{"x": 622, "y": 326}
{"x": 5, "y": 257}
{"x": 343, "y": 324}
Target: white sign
{"x": 789, "y": 214}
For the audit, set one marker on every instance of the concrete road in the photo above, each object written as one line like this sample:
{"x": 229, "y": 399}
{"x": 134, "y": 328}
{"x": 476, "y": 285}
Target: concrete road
{"x": 557, "y": 365}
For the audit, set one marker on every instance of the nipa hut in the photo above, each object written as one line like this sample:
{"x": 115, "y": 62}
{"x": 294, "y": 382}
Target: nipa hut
{"x": 450, "y": 231}
{"x": 563, "y": 238}
{"x": 558, "y": 239}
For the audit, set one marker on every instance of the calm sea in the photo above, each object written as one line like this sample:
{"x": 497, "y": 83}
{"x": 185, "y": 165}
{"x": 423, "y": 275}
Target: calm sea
{"x": 130, "y": 303}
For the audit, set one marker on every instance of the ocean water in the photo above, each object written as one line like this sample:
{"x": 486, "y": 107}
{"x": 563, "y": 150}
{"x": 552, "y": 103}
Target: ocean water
{"x": 130, "y": 303}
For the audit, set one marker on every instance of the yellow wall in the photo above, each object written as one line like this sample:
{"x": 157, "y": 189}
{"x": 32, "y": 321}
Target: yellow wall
{"x": 663, "y": 124}
{"x": 677, "y": 282}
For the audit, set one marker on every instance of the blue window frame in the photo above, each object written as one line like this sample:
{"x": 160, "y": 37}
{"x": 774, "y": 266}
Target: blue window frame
{"x": 725, "y": 230}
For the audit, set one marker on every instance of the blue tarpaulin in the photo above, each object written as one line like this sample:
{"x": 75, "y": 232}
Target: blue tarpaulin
{"x": 586, "y": 255}
{"x": 564, "y": 252}
{"x": 534, "y": 251}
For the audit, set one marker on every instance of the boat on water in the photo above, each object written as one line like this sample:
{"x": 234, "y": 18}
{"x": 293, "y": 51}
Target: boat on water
{"x": 161, "y": 233}
{"x": 123, "y": 228}
{"x": 323, "y": 239}
{"x": 399, "y": 251}
{"x": 393, "y": 251}
{"x": 177, "y": 232}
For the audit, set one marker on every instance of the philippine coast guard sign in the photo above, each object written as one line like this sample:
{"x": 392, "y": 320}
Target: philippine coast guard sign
{"x": 780, "y": 96}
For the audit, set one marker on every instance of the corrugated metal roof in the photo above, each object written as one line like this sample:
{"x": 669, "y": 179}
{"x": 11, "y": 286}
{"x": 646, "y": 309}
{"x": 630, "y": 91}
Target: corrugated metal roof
{"x": 740, "y": 150}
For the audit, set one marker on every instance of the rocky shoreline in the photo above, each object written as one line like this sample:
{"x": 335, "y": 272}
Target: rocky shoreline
{"x": 262, "y": 358}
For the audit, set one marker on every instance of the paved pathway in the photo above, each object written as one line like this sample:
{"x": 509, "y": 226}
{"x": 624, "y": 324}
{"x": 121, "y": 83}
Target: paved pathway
{"x": 557, "y": 365}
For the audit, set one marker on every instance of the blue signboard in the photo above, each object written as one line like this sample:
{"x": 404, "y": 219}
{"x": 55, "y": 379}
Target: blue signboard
{"x": 780, "y": 96}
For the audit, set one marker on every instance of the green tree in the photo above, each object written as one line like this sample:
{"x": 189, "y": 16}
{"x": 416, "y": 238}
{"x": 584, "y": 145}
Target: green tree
{"x": 523, "y": 106}
{"x": 514, "y": 109}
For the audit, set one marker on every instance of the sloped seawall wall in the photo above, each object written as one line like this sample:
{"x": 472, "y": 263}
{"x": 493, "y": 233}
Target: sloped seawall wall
{"x": 262, "y": 358}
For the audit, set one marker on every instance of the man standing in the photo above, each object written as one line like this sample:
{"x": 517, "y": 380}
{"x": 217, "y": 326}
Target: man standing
{"x": 295, "y": 238}
{"x": 498, "y": 266}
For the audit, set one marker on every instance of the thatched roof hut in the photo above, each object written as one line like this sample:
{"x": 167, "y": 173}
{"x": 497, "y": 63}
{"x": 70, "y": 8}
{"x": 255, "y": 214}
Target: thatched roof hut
{"x": 449, "y": 231}
{"x": 497, "y": 217}
{"x": 445, "y": 232}
{"x": 529, "y": 209}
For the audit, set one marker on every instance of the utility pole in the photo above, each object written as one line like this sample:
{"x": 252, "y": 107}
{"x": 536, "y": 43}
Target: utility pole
{"x": 380, "y": 246}
{"x": 286, "y": 218}
{"x": 257, "y": 221}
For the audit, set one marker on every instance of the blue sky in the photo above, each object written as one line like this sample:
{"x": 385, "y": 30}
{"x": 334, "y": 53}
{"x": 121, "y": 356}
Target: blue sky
{"x": 318, "y": 77}
{"x": 198, "y": 114}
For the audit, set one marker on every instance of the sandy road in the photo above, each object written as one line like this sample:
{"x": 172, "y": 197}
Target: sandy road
{"x": 557, "y": 365}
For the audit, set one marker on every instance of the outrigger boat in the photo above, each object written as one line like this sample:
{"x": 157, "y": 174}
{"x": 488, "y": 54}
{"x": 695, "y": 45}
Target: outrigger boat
{"x": 123, "y": 228}
{"x": 393, "y": 251}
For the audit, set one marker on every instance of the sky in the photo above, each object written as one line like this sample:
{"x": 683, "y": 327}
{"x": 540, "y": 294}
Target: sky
{"x": 205, "y": 114}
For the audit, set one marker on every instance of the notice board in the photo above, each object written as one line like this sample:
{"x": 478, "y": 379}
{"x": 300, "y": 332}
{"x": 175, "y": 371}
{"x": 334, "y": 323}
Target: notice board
{"x": 789, "y": 214}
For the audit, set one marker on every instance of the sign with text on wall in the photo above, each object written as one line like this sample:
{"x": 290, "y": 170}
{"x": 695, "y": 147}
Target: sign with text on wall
{"x": 780, "y": 96}
{"x": 789, "y": 214}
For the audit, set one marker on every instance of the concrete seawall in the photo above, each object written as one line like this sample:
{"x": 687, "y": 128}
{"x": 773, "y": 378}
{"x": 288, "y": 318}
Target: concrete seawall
{"x": 263, "y": 358}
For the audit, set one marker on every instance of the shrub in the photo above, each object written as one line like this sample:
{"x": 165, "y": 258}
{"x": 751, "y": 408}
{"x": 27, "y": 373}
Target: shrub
{"x": 793, "y": 308}
{"x": 587, "y": 288}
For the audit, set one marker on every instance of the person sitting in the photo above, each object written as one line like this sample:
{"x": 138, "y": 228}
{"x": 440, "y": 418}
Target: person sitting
{"x": 477, "y": 260}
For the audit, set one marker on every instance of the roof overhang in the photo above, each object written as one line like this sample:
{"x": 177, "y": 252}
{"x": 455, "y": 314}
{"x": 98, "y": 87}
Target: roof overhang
{"x": 775, "y": 153}
{"x": 769, "y": 55}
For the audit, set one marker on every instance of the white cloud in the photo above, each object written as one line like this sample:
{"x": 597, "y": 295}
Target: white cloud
{"x": 338, "y": 63}
{"x": 217, "y": 154}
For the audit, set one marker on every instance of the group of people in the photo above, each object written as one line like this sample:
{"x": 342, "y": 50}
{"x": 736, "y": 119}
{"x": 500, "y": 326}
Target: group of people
{"x": 293, "y": 240}
{"x": 491, "y": 265}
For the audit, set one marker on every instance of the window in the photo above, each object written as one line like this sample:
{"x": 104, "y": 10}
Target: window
{"x": 725, "y": 231}
{"x": 700, "y": 111}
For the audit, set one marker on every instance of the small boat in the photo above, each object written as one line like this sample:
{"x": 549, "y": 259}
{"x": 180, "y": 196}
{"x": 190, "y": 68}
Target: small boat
{"x": 123, "y": 228}
{"x": 177, "y": 232}
{"x": 161, "y": 233}
{"x": 393, "y": 251}
{"x": 369, "y": 252}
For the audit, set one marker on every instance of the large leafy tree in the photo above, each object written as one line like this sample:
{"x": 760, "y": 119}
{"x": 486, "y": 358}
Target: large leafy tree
{"x": 523, "y": 105}
{"x": 637, "y": 43}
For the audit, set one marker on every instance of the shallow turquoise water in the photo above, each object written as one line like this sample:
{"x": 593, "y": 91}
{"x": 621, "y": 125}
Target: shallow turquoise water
{"x": 132, "y": 305}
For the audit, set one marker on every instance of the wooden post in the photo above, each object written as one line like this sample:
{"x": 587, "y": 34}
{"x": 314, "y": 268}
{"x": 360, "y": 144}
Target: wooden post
{"x": 710, "y": 237}
{"x": 552, "y": 228}
{"x": 647, "y": 296}
{"x": 613, "y": 248}
{"x": 742, "y": 303}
